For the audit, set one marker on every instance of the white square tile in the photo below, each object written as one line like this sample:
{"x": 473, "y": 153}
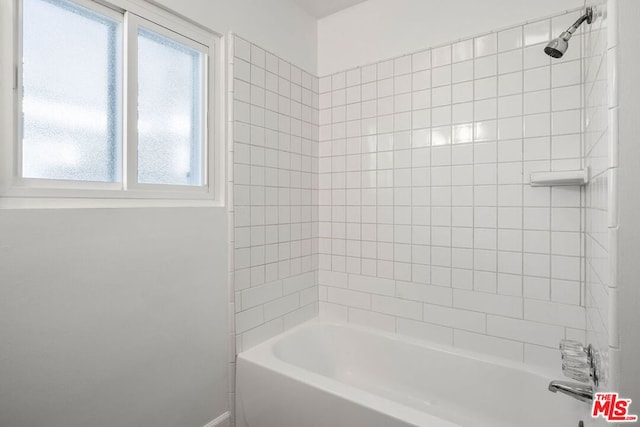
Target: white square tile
{"x": 537, "y": 125}
{"x": 510, "y": 128}
{"x": 566, "y": 122}
{"x": 368, "y": 73}
{"x": 509, "y": 84}
{"x": 421, "y": 80}
{"x": 441, "y": 76}
{"x": 565, "y": 74}
{"x": 421, "y": 119}
{"x": 462, "y": 113}
{"x": 421, "y": 99}
{"x": 441, "y": 56}
{"x": 338, "y": 81}
{"x": 462, "y": 92}
{"x": 486, "y": 45}
{"x": 257, "y": 56}
{"x": 402, "y": 122}
{"x": 486, "y": 88}
{"x": 509, "y": 62}
{"x": 441, "y": 135}
{"x": 402, "y": 65}
{"x": 441, "y": 96}
{"x": 353, "y": 77}
{"x": 485, "y": 152}
{"x": 537, "y": 149}
{"x": 485, "y": 174}
{"x": 537, "y": 102}
{"x": 421, "y": 60}
{"x": 462, "y": 51}
{"x": 485, "y": 131}
{"x": 324, "y": 84}
{"x": 486, "y": 66}
{"x": 462, "y": 71}
{"x": 537, "y": 79}
{"x": 242, "y": 48}
{"x": 565, "y": 146}
{"x": 510, "y": 39}
{"x": 485, "y": 109}
{"x": 385, "y": 69}
{"x": 385, "y": 87}
{"x": 462, "y": 133}
{"x": 402, "y": 84}
{"x": 534, "y": 57}
{"x": 441, "y": 116}
{"x": 509, "y": 106}
{"x": 537, "y": 32}
{"x": 353, "y": 94}
{"x": 510, "y": 173}
{"x": 402, "y": 103}
{"x": 385, "y": 106}
{"x": 566, "y": 98}
{"x": 271, "y": 63}
{"x": 537, "y": 219}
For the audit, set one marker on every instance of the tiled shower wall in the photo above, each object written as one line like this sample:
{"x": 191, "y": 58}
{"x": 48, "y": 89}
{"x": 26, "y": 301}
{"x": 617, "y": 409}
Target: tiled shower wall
{"x": 427, "y": 224}
{"x": 272, "y": 193}
{"x": 600, "y": 141}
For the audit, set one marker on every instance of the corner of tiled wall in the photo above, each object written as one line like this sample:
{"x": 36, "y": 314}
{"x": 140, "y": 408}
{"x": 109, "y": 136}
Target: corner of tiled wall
{"x": 272, "y": 196}
{"x": 274, "y": 127}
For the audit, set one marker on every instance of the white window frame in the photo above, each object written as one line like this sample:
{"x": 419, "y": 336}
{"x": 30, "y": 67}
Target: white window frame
{"x": 132, "y": 14}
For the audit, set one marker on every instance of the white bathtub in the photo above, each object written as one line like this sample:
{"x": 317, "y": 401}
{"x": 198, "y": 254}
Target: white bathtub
{"x": 333, "y": 375}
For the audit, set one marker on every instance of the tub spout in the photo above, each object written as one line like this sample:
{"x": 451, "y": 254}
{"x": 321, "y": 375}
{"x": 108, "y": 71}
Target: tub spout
{"x": 582, "y": 392}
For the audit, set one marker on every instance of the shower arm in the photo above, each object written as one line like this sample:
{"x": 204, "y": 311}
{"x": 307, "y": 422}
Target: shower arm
{"x": 588, "y": 16}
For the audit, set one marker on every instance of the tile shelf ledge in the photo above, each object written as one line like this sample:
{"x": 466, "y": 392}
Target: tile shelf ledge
{"x": 552, "y": 179}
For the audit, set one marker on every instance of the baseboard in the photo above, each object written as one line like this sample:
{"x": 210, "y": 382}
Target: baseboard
{"x": 222, "y": 421}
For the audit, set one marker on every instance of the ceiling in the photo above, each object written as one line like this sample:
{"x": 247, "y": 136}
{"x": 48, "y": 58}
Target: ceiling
{"x": 321, "y": 8}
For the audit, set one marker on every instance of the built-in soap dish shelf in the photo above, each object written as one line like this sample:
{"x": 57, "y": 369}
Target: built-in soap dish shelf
{"x": 552, "y": 179}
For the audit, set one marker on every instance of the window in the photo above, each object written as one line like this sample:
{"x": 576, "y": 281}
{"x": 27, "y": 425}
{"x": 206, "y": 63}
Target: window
{"x": 70, "y": 108}
{"x": 170, "y": 111}
{"x": 111, "y": 101}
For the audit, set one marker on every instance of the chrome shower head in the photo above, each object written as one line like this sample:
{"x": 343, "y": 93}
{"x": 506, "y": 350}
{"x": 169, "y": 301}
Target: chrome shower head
{"x": 557, "y": 47}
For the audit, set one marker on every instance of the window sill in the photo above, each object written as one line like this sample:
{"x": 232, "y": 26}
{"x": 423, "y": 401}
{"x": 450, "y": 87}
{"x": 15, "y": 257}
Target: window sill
{"x": 102, "y": 203}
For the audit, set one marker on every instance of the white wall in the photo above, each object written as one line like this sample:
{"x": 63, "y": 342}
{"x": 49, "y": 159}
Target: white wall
{"x": 280, "y": 26}
{"x": 612, "y": 229}
{"x": 113, "y": 317}
{"x": 380, "y": 29}
{"x": 118, "y": 317}
{"x": 628, "y": 62}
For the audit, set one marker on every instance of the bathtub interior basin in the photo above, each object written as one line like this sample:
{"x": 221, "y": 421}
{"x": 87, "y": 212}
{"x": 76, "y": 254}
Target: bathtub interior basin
{"x": 329, "y": 374}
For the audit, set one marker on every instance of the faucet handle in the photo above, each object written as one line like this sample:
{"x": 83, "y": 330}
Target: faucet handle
{"x": 571, "y": 358}
{"x": 572, "y": 348}
{"x": 576, "y": 367}
{"x": 576, "y": 373}
{"x": 579, "y": 362}
{"x": 575, "y": 363}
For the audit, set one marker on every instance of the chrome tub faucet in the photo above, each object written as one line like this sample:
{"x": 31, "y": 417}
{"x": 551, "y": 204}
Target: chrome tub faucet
{"x": 580, "y": 391}
{"x": 579, "y": 363}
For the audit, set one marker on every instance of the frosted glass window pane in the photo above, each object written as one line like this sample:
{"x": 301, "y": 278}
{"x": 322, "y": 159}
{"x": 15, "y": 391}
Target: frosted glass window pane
{"x": 71, "y": 100}
{"x": 170, "y": 107}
